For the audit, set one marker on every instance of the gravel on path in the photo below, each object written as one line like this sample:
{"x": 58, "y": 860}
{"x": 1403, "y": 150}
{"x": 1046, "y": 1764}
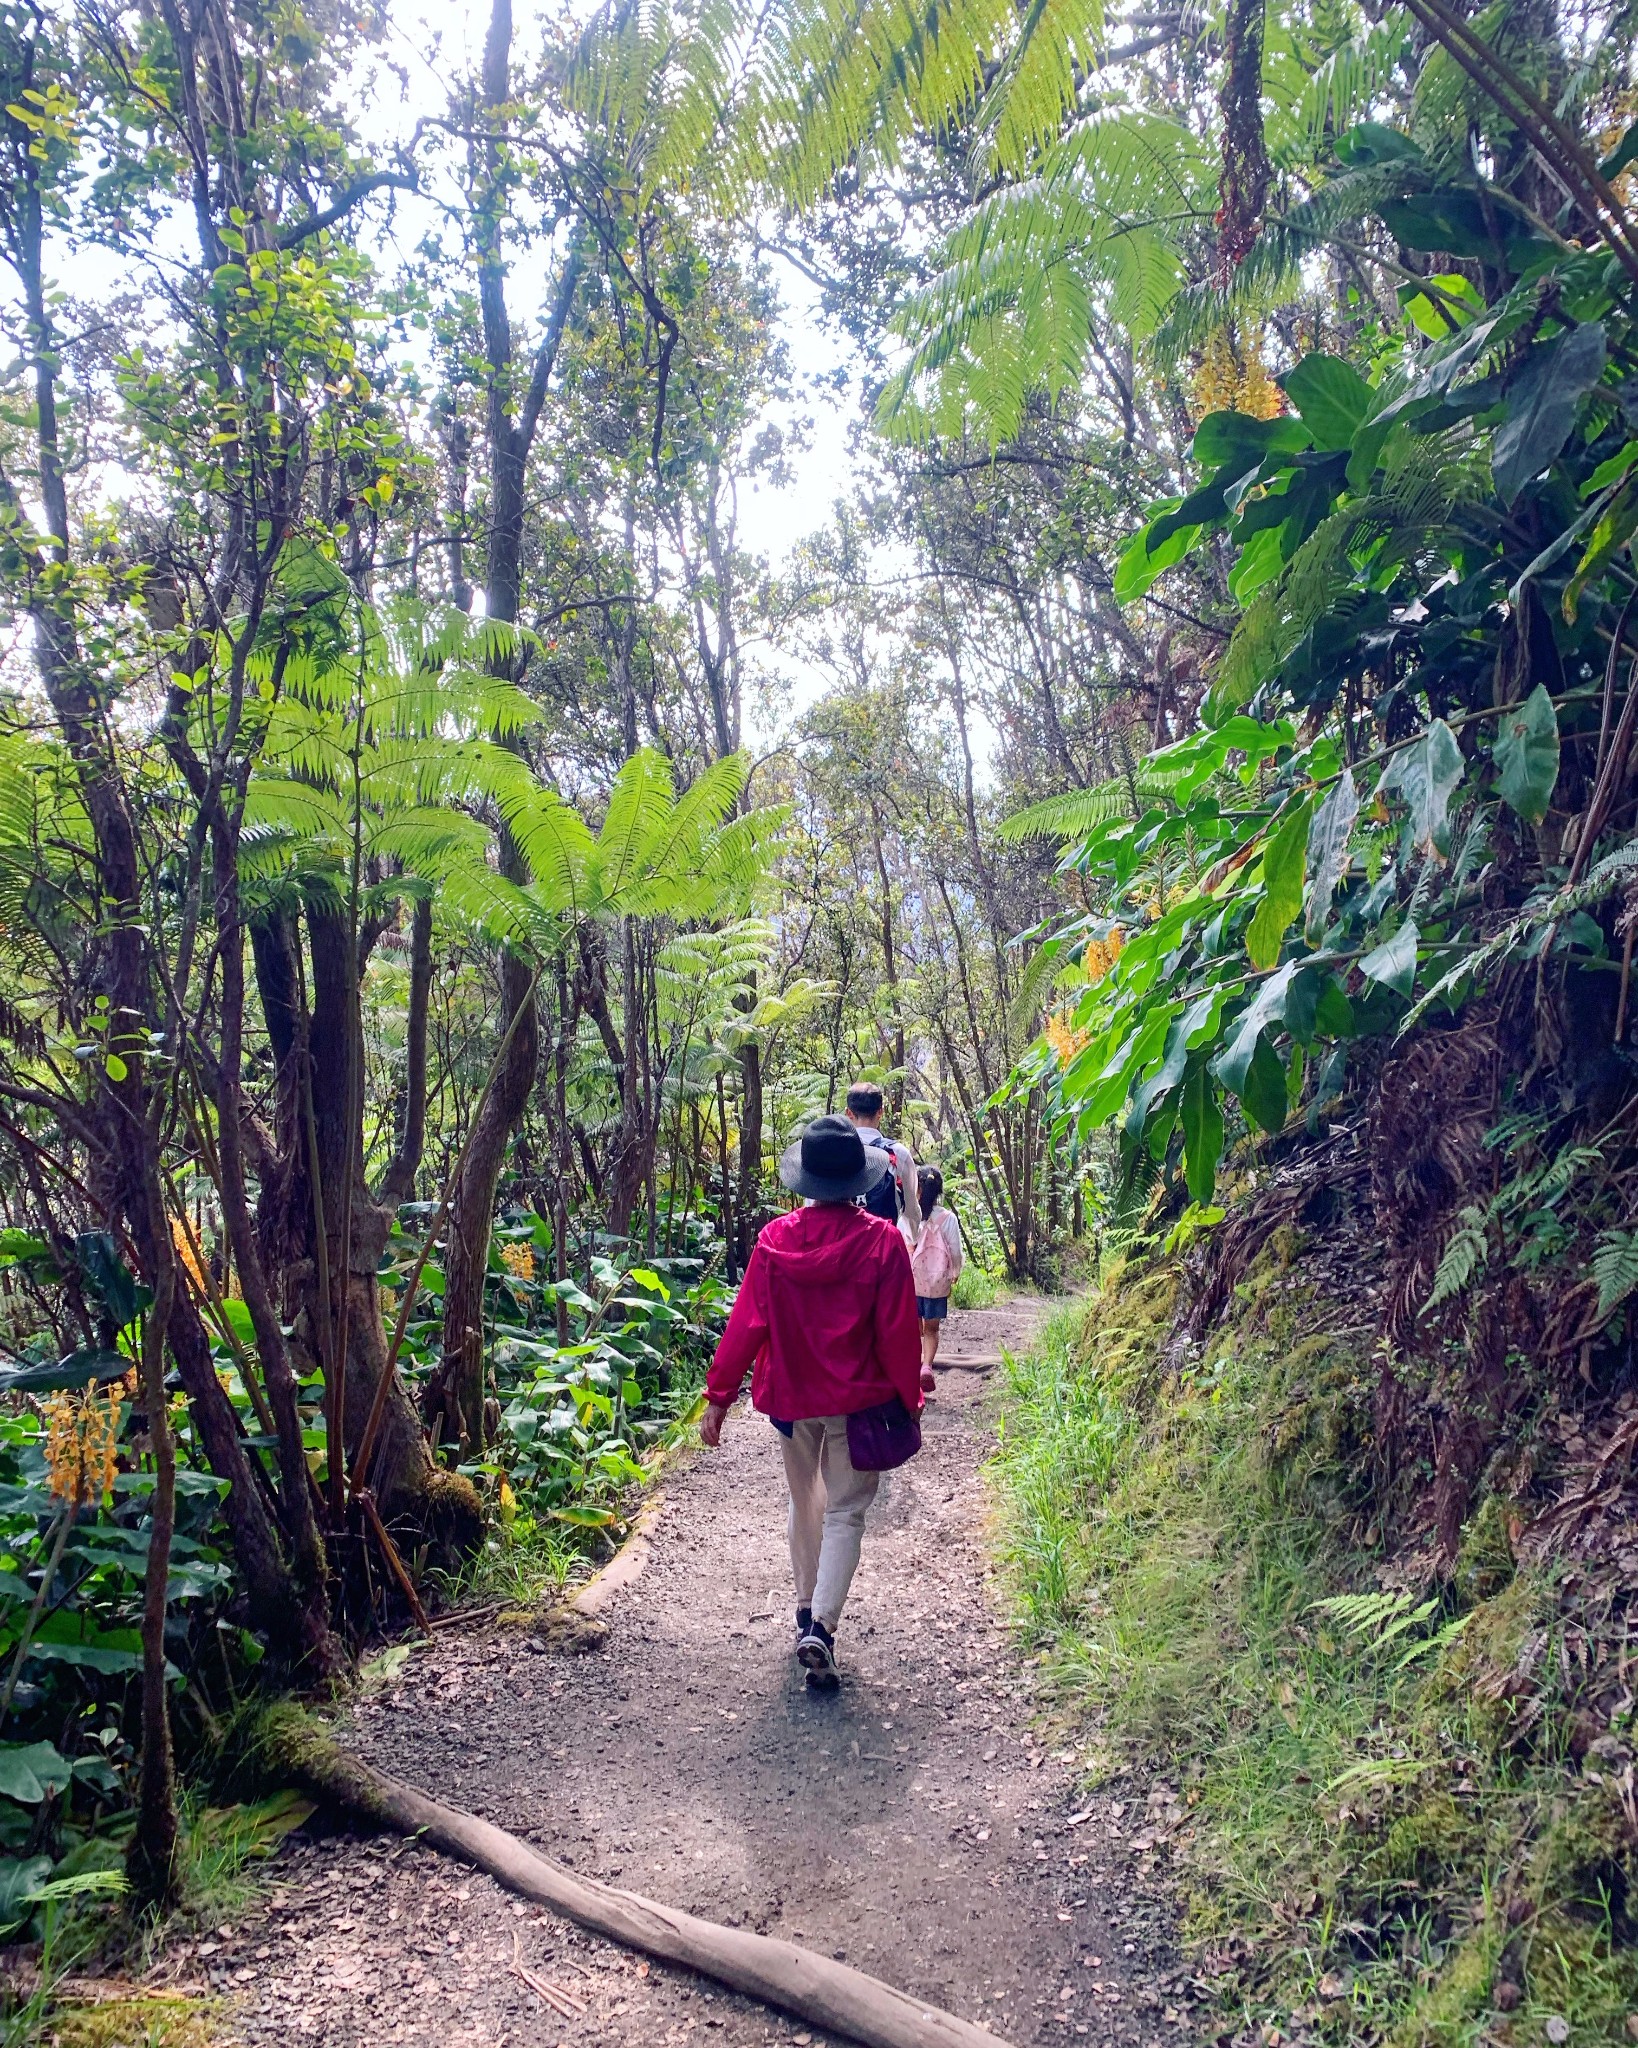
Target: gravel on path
{"x": 917, "y": 1823}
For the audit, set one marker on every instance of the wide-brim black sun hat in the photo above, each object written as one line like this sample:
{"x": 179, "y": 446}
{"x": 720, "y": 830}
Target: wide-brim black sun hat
{"x": 830, "y": 1162}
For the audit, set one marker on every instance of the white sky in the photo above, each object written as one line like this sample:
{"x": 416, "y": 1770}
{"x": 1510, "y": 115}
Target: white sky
{"x": 433, "y": 43}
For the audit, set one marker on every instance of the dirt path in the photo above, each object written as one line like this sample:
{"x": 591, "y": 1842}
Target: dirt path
{"x": 912, "y": 1823}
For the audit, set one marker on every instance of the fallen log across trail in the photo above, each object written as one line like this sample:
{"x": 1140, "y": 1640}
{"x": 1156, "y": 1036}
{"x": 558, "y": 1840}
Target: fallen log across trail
{"x": 815, "y": 1987}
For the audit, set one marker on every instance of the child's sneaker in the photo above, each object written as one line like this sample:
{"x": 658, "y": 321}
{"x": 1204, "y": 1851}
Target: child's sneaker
{"x": 816, "y": 1653}
{"x": 804, "y": 1622}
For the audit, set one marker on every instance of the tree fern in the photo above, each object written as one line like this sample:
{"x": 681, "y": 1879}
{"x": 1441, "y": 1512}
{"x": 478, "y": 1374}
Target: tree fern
{"x": 1074, "y": 814}
{"x": 1271, "y": 272}
{"x": 1421, "y": 481}
{"x": 839, "y": 78}
{"x": 1095, "y": 234}
{"x": 1602, "y": 879}
{"x": 1035, "y": 85}
{"x": 1334, "y": 94}
{"x": 557, "y": 845}
{"x": 639, "y": 808}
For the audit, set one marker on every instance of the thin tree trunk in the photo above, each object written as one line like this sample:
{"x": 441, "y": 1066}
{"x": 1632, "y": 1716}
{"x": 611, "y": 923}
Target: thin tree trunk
{"x": 729, "y": 1239}
{"x": 455, "y": 1393}
{"x": 398, "y": 1183}
{"x": 889, "y": 961}
{"x": 831, "y": 1994}
{"x": 152, "y": 1859}
{"x": 750, "y": 1146}
{"x": 315, "y": 1648}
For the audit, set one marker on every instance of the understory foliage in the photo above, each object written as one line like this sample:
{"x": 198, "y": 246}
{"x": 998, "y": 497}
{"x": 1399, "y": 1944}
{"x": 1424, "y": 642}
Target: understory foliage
{"x": 1326, "y": 1502}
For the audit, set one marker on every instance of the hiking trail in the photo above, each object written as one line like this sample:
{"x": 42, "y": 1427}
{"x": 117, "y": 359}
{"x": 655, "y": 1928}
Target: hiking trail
{"x": 916, "y": 1823}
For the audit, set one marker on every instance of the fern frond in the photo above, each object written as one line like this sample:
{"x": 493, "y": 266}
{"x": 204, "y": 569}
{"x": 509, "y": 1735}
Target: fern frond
{"x": 1467, "y": 1251}
{"x": 1036, "y": 86}
{"x": 1096, "y": 234}
{"x": 1073, "y": 815}
{"x": 1615, "y": 1268}
{"x": 1337, "y": 93}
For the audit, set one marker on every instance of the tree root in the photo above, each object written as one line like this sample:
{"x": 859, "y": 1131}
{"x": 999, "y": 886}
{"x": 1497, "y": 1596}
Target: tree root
{"x": 814, "y": 1987}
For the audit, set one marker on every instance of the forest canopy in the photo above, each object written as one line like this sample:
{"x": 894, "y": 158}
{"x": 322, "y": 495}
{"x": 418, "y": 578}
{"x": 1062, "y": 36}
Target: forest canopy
{"x": 446, "y": 851}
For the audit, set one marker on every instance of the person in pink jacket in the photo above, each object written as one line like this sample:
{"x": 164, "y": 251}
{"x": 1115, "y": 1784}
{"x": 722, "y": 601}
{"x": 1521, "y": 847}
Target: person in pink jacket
{"x": 826, "y": 1324}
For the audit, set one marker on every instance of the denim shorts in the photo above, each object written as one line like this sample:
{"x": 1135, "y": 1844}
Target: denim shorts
{"x": 932, "y": 1308}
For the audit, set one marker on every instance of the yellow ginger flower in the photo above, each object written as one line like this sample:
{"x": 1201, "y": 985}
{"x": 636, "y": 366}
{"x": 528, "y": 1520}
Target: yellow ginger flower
{"x": 82, "y": 1435}
{"x": 1101, "y": 954}
{"x": 519, "y": 1260}
{"x": 1063, "y": 1038}
{"x": 1098, "y": 957}
{"x": 1233, "y": 377}
{"x": 185, "y": 1255}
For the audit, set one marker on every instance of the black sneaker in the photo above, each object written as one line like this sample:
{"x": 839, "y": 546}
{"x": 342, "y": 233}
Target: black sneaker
{"x": 816, "y": 1653}
{"x": 804, "y": 1622}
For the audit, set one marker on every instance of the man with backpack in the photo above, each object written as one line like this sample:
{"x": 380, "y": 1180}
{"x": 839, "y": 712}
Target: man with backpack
{"x": 894, "y": 1197}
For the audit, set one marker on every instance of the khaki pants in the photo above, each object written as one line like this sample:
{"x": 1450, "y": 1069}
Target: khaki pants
{"x": 828, "y": 1504}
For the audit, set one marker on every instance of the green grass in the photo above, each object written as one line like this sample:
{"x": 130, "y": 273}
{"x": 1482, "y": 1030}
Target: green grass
{"x": 527, "y": 1563}
{"x": 144, "y": 2020}
{"x": 1379, "y": 1848}
{"x": 224, "y": 1851}
{"x": 975, "y": 1288}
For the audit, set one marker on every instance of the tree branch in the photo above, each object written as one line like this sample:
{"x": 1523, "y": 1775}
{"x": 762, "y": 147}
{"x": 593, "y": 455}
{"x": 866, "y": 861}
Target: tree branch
{"x": 359, "y": 189}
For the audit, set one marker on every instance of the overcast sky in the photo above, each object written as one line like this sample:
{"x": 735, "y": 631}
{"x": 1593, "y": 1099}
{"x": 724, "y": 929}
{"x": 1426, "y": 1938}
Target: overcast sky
{"x": 432, "y": 42}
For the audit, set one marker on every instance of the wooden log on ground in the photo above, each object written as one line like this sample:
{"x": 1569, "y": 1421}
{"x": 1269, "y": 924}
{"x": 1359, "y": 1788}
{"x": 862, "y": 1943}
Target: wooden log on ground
{"x": 814, "y": 1987}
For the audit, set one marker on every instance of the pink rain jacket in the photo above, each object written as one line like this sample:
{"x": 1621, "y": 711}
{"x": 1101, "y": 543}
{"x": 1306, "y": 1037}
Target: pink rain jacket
{"x": 825, "y": 1320}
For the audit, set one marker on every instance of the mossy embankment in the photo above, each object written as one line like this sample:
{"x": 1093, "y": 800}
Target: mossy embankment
{"x": 1407, "y": 1784}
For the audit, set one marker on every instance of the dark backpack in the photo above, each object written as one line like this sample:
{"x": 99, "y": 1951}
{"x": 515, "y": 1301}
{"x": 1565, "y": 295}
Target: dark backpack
{"x": 885, "y": 1199}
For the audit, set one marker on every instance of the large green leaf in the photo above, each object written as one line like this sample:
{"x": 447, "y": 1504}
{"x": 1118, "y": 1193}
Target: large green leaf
{"x": 1202, "y": 1117}
{"x": 1266, "y": 1007}
{"x": 1393, "y": 963}
{"x": 22, "y": 1248}
{"x": 1332, "y": 398}
{"x": 1614, "y": 526}
{"x": 1328, "y": 837}
{"x": 1333, "y": 1013}
{"x": 20, "y": 1882}
{"x": 70, "y": 1637}
{"x": 84, "y": 1656}
{"x": 1460, "y": 221}
{"x": 1282, "y": 890}
{"x": 1236, "y": 437}
{"x": 1138, "y": 567}
{"x": 32, "y": 1771}
{"x": 1543, "y": 395}
{"x": 1196, "y": 1022}
{"x": 1526, "y": 755}
{"x": 1264, "y": 1095}
{"x": 78, "y": 1369}
{"x": 110, "y": 1279}
{"x": 1427, "y": 775}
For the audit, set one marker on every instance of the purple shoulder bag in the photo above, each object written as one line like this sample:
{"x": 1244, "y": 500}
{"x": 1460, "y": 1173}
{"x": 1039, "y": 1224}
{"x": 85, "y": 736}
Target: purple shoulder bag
{"x": 880, "y": 1438}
